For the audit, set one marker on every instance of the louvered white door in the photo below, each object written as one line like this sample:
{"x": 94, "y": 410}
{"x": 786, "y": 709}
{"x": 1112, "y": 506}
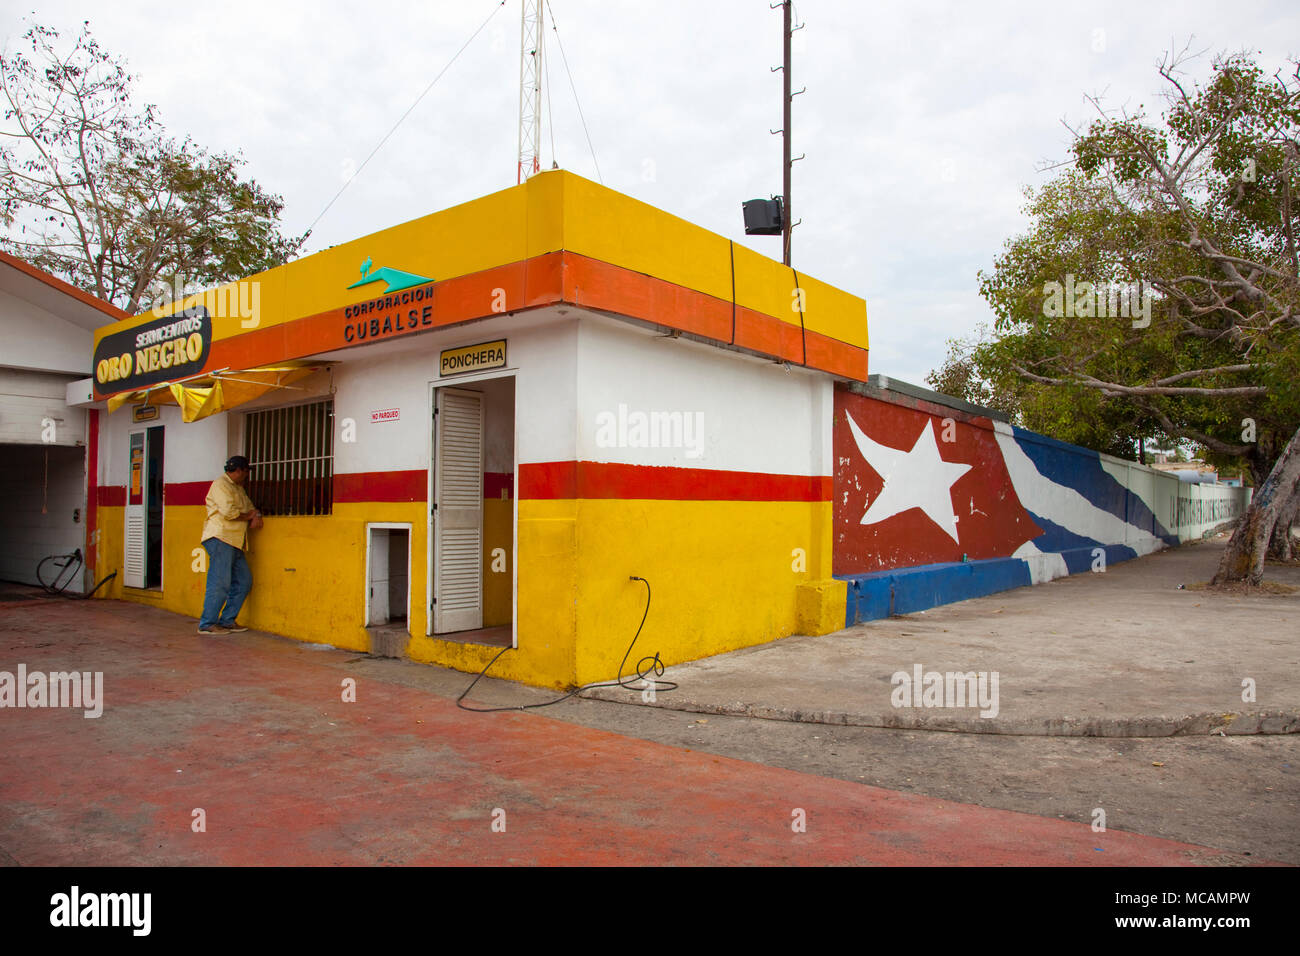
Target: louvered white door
{"x": 137, "y": 481}
{"x": 458, "y": 511}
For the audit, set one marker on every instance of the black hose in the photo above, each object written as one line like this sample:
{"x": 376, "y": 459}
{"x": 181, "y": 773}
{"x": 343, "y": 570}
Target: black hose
{"x": 60, "y": 583}
{"x": 63, "y": 562}
{"x": 656, "y": 665}
{"x": 103, "y": 581}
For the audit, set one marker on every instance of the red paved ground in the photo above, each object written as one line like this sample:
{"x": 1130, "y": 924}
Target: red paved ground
{"x": 253, "y": 730}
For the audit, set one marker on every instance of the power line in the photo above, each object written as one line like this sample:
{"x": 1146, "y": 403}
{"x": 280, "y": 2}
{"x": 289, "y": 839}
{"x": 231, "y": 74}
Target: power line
{"x": 550, "y": 110}
{"x": 404, "y": 116}
{"x": 564, "y": 58}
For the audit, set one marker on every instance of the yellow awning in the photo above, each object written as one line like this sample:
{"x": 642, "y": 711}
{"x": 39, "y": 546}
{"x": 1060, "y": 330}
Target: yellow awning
{"x": 215, "y": 392}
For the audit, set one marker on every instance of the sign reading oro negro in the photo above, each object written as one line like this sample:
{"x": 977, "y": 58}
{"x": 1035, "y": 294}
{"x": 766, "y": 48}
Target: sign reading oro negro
{"x": 159, "y": 351}
{"x": 473, "y": 358}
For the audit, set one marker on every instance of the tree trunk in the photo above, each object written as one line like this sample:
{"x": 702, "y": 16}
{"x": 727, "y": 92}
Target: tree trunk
{"x": 1243, "y": 559}
{"x": 1280, "y": 547}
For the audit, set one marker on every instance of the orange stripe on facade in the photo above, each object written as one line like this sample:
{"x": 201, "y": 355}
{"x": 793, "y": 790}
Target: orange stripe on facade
{"x": 528, "y": 284}
{"x": 543, "y": 280}
{"x": 599, "y": 285}
{"x": 839, "y": 358}
{"x": 559, "y": 480}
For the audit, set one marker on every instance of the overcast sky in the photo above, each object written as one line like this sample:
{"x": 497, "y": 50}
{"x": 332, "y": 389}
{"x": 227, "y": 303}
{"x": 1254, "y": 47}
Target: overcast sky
{"x": 922, "y": 122}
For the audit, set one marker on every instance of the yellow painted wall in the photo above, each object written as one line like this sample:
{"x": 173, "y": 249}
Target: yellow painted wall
{"x": 724, "y": 575}
{"x": 609, "y": 226}
{"x": 498, "y": 521}
{"x": 309, "y": 573}
{"x": 321, "y": 600}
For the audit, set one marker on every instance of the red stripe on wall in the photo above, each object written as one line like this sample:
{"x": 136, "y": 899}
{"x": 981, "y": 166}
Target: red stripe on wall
{"x": 92, "y": 487}
{"x": 495, "y": 482}
{"x": 112, "y": 496}
{"x": 382, "y": 486}
{"x": 186, "y": 492}
{"x": 588, "y": 479}
{"x": 553, "y": 480}
{"x": 407, "y": 485}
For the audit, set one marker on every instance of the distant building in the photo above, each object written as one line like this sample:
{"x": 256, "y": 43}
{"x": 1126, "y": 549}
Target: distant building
{"x": 1194, "y": 472}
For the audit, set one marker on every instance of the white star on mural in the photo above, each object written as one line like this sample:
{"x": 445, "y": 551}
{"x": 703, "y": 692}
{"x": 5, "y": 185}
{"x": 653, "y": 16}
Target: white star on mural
{"x": 913, "y": 479}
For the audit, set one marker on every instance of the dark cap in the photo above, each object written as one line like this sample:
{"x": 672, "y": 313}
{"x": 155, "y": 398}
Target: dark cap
{"x": 236, "y": 462}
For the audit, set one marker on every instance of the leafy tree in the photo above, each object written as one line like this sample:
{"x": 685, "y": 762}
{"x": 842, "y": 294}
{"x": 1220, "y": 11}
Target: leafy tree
{"x": 961, "y": 377}
{"x": 971, "y": 372}
{"x": 93, "y": 190}
{"x": 1157, "y": 289}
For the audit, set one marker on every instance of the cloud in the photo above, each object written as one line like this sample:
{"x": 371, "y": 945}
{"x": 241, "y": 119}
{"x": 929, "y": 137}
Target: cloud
{"x": 921, "y": 124}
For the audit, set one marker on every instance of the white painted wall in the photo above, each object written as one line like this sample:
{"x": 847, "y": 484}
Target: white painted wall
{"x": 755, "y": 415}
{"x": 33, "y": 337}
{"x": 1203, "y": 507}
{"x": 1177, "y": 504}
{"x": 192, "y": 452}
{"x": 541, "y": 349}
{"x": 28, "y": 399}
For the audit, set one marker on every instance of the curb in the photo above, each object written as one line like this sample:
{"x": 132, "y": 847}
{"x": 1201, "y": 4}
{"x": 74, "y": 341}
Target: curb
{"x": 1189, "y": 725}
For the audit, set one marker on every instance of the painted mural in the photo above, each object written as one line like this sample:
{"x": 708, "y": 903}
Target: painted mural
{"x": 933, "y": 505}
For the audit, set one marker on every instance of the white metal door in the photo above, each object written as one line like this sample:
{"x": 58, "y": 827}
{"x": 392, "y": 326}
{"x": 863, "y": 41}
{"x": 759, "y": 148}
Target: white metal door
{"x": 137, "y": 486}
{"x": 378, "y": 561}
{"x": 457, "y": 510}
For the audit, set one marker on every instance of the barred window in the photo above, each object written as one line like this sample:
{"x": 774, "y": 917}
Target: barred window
{"x": 291, "y": 456}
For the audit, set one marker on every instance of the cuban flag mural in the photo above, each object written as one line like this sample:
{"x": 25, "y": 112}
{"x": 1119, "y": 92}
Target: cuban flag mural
{"x": 933, "y": 505}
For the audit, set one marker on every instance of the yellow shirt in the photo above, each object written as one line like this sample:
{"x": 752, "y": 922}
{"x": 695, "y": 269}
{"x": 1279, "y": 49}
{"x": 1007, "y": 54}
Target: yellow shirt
{"x": 226, "y": 501}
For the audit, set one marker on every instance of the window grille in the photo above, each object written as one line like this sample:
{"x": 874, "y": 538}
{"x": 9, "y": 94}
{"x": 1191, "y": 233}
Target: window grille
{"x": 291, "y": 458}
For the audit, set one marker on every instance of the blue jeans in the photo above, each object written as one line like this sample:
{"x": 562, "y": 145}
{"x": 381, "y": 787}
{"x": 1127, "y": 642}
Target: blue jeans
{"x": 229, "y": 581}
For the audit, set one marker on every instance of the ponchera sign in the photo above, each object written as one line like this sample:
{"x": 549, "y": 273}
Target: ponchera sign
{"x": 473, "y": 358}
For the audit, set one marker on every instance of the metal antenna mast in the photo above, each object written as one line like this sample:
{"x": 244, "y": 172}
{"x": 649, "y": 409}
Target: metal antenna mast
{"x": 531, "y": 31}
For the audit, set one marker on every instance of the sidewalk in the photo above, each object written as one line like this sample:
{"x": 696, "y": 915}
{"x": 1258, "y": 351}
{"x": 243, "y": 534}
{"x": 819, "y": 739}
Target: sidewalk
{"x": 243, "y": 750}
{"x": 1124, "y": 653}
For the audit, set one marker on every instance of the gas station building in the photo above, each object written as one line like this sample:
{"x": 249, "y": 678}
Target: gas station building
{"x": 478, "y": 428}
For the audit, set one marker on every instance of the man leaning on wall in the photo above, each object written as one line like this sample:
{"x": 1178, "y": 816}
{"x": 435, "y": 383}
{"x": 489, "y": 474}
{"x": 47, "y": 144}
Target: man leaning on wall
{"x": 231, "y": 515}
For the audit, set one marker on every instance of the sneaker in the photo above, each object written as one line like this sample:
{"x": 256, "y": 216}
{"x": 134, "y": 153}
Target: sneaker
{"x": 209, "y": 630}
{"x": 231, "y": 628}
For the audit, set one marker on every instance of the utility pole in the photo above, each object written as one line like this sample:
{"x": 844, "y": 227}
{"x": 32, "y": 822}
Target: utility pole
{"x": 771, "y": 217}
{"x": 785, "y": 139}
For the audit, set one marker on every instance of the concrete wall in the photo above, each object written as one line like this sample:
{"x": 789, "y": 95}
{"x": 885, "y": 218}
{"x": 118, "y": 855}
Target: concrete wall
{"x": 727, "y": 516}
{"x": 934, "y": 505}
